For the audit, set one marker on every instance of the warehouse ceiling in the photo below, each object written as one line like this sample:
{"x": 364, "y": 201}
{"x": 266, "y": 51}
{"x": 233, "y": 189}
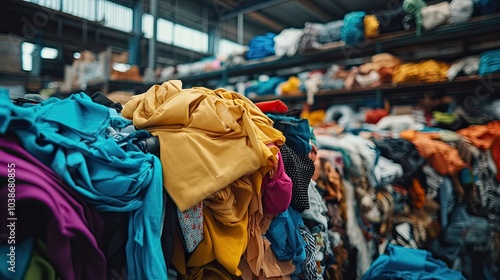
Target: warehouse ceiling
{"x": 279, "y": 14}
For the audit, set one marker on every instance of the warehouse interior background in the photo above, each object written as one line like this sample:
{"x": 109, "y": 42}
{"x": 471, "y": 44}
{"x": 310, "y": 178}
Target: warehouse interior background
{"x": 381, "y": 117}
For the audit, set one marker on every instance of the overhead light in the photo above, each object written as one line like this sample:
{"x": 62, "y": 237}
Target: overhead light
{"x": 49, "y": 53}
{"x": 77, "y": 55}
{"x": 121, "y": 67}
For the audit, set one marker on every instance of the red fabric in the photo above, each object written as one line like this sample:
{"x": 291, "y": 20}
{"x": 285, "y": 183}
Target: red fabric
{"x": 373, "y": 116}
{"x": 272, "y": 106}
{"x": 495, "y": 152}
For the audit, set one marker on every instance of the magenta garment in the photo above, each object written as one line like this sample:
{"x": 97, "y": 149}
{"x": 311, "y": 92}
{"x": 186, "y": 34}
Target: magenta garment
{"x": 51, "y": 211}
{"x": 276, "y": 192}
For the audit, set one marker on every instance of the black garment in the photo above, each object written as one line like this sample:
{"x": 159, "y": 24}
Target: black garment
{"x": 100, "y": 98}
{"x": 403, "y": 152}
{"x": 300, "y": 168}
{"x": 114, "y": 240}
{"x": 391, "y": 20}
{"x": 149, "y": 145}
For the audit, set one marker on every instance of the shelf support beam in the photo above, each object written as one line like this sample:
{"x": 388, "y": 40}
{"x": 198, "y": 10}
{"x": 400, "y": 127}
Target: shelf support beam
{"x": 135, "y": 40}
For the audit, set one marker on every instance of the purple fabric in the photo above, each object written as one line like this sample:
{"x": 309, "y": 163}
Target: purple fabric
{"x": 276, "y": 192}
{"x": 49, "y": 210}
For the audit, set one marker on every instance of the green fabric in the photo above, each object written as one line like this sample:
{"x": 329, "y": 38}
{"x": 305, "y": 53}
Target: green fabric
{"x": 413, "y": 7}
{"x": 444, "y": 118}
{"x": 40, "y": 268}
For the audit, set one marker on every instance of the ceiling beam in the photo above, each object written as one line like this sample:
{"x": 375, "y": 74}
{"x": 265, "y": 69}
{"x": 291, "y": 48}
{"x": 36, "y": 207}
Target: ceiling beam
{"x": 316, "y": 10}
{"x": 251, "y": 8}
{"x": 265, "y": 21}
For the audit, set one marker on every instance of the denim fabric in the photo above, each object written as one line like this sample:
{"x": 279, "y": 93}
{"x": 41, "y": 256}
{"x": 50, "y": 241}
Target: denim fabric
{"x": 466, "y": 229}
{"x": 286, "y": 240}
{"x": 446, "y": 201}
{"x": 296, "y": 131}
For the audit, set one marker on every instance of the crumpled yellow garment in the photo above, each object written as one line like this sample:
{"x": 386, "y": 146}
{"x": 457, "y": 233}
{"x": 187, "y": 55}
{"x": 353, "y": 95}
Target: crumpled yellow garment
{"x": 208, "y": 138}
{"x": 225, "y": 219}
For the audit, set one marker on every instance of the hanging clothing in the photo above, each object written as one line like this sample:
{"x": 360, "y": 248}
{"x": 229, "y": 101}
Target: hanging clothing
{"x": 69, "y": 136}
{"x": 201, "y": 131}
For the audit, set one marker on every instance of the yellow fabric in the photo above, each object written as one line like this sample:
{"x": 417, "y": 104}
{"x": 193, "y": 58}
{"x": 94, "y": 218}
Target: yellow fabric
{"x": 371, "y": 26}
{"x": 225, "y": 218}
{"x": 291, "y": 86}
{"x": 208, "y": 138}
{"x": 429, "y": 71}
{"x": 315, "y": 117}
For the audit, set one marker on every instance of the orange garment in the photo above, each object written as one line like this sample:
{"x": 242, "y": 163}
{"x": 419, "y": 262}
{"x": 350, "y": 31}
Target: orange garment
{"x": 442, "y": 157}
{"x": 258, "y": 260}
{"x": 482, "y": 136}
{"x": 429, "y": 71}
{"x": 417, "y": 194}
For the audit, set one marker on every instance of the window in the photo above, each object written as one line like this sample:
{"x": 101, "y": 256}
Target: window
{"x": 227, "y": 47}
{"x": 52, "y": 4}
{"x": 190, "y": 39}
{"x": 165, "y": 31}
{"x": 115, "y": 16}
{"x": 49, "y": 53}
{"x": 83, "y": 9}
{"x": 27, "y": 58}
{"x": 147, "y": 25}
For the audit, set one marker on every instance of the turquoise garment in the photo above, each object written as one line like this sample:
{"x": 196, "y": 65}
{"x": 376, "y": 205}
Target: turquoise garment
{"x": 407, "y": 263}
{"x": 296, "y": 131}
{"x": 286, "y": 241}
{"x": 70, "y": 136}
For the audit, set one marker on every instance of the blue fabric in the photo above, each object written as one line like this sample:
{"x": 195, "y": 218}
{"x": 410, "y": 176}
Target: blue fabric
{"x": 489, "y": 62}
{"x": 296, "y": 131}
{"x": 286, "y": 241}
{"x": 406, "y": 263}
{"x": 265, "y": 88}
{"x": 70, "y": 136}
{"x": 261, "y": 46}
{"x": 353, "y": 30}
{"x": 446, "y": 201}
{"x": 485, "y": 7}
{"x": 16, "y": 269}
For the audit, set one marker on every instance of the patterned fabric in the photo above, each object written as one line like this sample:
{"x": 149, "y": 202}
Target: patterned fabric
{"x": 300, "y": 168}
{"x": 487, "y": 189}
{"x": 191, "y": 223}
{"x": 309, "y": 269}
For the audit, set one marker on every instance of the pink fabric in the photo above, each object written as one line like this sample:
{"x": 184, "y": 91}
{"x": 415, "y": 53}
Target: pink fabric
{"x": 276, "y": 191}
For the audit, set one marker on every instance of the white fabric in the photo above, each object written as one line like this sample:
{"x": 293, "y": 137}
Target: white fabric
{"x": 468, "y": 65}
{"x": 460, "y": 11}
{"x": 348, "y": 114}
{"x": 399, "y": 123}
{"x": 435, "y": 15}
{"x": 287, "y": 42}
{"x": 354, "y": 232}
{"x": 366, "y": 80}
{"x": 317, "y": 208}
{"x": 387, "y": 172}
{"x": 312, "y": 86}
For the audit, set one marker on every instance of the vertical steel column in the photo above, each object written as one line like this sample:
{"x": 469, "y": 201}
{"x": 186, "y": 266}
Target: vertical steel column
{"x": 241, "y": 35}
{"x": 152, "y": 42}
{"x": 135, "y": 40}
